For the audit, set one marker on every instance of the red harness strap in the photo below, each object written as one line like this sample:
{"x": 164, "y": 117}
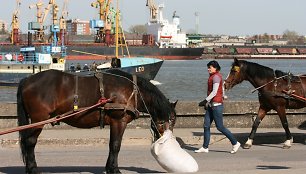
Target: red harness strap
{"x": 101, "y": 102}
{"x": 295, "y": 96}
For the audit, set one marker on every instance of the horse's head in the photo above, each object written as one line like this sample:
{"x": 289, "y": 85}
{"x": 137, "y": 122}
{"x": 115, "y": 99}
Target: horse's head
{"x": 164, "y": 121}
{"x": 235, "y": 75}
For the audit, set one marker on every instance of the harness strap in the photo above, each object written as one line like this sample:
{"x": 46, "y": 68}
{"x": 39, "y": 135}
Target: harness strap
{"x": 135, "y": 91}
{"x": 76, "y": 97}
{"x": 99, "y": 76}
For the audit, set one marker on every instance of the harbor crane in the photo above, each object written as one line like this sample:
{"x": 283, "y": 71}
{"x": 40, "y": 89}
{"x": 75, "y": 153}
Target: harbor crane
{"x": 38, "y": 27}
{"x": 104, "y": 24}
{"x": 63, "y": 23}
{"x": 41, "y": 16}
{"x": 153, "y": 10}
{"x": 15, "y": 24}
{"x": 54, "y": 28}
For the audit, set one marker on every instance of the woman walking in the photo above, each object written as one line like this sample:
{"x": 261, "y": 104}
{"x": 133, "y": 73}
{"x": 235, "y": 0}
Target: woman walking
{"x": 213, "y": 104}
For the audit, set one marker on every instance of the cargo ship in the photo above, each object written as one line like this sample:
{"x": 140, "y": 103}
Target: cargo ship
{"x": 15, "y": 64}
{"x": 255, "y": 52}
{"x": 163, "y": 39}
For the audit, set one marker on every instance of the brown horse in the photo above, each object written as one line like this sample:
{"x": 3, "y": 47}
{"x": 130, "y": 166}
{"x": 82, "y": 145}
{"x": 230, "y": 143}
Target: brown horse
{"x": 271, "y": 86}
{"x": 51, "y": 93}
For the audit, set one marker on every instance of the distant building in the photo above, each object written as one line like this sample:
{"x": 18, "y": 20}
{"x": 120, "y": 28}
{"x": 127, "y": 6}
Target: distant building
{"x": 3, "y": 26}
{"x": 78, "y": 27}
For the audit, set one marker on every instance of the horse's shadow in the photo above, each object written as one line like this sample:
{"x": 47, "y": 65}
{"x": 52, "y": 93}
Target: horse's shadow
{"x": 302, "y": 126}
{"x": 74, "y": 169}
{"x": 267, "y": 138}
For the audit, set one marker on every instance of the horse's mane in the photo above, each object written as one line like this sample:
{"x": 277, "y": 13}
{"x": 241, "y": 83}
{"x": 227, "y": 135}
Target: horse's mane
{"x": 257, "y": 70}
{"x": 159, "y": 100}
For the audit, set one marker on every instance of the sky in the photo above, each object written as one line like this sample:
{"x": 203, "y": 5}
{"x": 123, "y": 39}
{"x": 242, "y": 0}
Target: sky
{"x": 228, "y": 17}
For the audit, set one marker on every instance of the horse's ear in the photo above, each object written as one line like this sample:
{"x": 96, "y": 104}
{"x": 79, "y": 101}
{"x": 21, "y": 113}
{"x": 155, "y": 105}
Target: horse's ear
{"x": 235, "y": 60}
{"x": 174, "y": 104}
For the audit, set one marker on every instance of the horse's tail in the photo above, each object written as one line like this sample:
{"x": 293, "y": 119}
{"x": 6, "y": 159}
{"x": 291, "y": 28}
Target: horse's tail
{"x": 23, "y": 118}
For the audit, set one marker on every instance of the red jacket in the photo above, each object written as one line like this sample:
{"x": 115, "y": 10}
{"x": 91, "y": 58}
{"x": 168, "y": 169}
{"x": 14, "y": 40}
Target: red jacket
{"x": 219, "y": 96}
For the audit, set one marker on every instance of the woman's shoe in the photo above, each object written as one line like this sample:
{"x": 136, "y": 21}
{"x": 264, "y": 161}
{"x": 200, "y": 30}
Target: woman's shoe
{"x": 201, "y": 150}
{"x": 236, "y": 147}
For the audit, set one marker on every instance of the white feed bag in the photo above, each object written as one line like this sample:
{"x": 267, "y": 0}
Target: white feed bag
{"x": 170, "y": 156}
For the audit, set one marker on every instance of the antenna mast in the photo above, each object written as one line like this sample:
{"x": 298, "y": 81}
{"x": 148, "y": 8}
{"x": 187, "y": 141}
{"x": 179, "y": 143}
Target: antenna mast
{"x": 197, "y": 22}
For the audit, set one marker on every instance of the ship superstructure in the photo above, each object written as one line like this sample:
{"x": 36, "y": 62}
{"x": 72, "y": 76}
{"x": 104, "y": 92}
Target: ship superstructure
{"x": 166, "y": 34}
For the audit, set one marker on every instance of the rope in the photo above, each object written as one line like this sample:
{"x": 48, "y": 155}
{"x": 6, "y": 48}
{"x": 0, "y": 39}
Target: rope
{"x": 55, "y": 119}
{"x": 252, "y": 91}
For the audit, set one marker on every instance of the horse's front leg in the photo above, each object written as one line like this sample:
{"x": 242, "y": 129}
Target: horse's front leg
{"x": 117, "y": 128}
{"x": 282, "y": 115}
{"x": 261, "y": 114}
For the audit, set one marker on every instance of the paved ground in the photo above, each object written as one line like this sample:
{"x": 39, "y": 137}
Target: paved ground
{"x": 260, "y": 159}
{"x": 86, "y": 151}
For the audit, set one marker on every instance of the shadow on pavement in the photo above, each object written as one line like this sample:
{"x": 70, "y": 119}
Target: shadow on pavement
{"x": 261, "y": 167}
{"x": 270, "y": 139}
{"x": 74, "y": 169}
{"x": 302, "y": 126}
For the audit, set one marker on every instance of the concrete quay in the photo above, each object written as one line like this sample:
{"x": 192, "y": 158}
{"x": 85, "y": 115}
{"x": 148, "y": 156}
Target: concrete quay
{"x": 237, "y": 114}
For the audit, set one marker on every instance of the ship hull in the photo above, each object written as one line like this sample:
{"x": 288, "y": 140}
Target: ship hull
{"x": 138, "y": 66}
{"x": 99, "y": 52}
{"x": 146, "y": 70}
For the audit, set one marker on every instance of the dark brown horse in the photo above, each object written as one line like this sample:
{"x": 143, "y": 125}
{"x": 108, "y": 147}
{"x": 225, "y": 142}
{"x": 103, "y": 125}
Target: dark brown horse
{"x": 271, "y": 86}
{"x": 50, "y": 93}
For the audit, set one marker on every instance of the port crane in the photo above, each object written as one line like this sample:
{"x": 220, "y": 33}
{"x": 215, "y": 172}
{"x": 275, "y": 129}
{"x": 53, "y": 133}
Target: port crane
{"x": 104, "y": 24}
{"x": 15, "y": 24}
{"x": 63, "y": 23}
{"x": 38, "y": 27}
{"x": 41, "y": 16}
{"x": 153, "y": 10}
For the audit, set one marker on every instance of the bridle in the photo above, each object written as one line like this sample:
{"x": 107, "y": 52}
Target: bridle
{"x": 135, "y": 93}
{"x": 233, "y": 82}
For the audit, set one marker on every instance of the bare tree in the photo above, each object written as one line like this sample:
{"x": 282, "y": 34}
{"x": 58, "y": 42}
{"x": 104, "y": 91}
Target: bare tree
{"x": 292, "y": 37}
{"x": 139, "y": 29}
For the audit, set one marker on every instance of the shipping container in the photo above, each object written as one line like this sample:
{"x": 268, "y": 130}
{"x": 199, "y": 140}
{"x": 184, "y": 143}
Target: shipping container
{"x": 301, "y": 50}
{"x": 286, "y": 51}
{"x": 264, "y": 50}
{"x": 208, "y": 50}
{"x": 222, "y": 50}
{"x": 232, "y": 50}
{"x": 148, "y": 39}
{"x": 245, "y": 50}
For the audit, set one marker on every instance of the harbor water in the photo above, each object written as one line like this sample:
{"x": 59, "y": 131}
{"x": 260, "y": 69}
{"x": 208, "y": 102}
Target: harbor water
{"x": 186, "y": 80}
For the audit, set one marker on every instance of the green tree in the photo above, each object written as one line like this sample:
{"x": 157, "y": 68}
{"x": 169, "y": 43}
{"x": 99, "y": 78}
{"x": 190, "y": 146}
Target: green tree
{"x": 139, "y": 29}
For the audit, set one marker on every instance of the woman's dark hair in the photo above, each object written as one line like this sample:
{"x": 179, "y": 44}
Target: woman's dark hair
{"x": 214, "y": 64}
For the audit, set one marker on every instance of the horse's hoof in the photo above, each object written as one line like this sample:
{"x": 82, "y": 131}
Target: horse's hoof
{"x": 113, "y": 171}
{"x": 246, "y": 146}
{"x": 286, "y": 147}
